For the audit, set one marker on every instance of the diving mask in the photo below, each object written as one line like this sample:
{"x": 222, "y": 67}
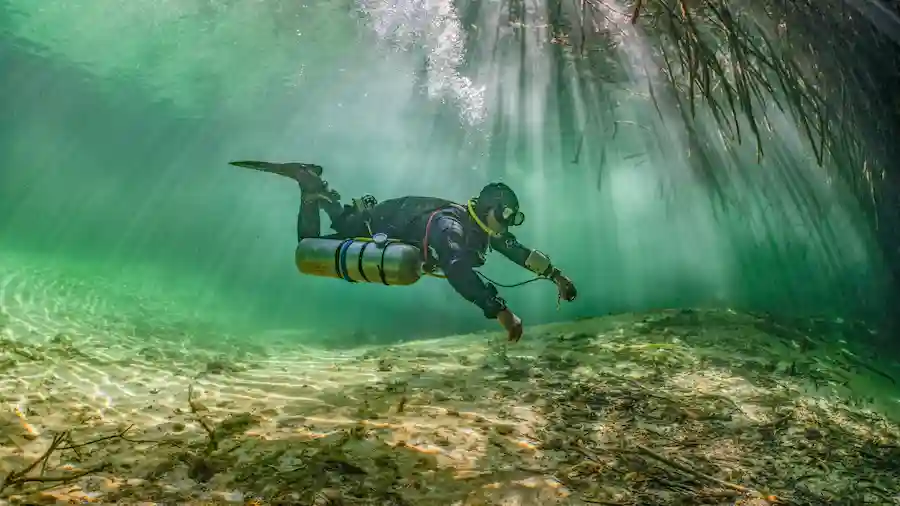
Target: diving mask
{"x": 512, "y": 217}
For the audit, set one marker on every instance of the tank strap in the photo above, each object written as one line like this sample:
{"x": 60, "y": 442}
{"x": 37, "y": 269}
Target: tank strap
{"x": 342, "y": 262}
{"x": 337, "y": 259}
{"x": 381, "y": 267}
{"x": 359, "y": 261}
{"x": 427, "y": 233}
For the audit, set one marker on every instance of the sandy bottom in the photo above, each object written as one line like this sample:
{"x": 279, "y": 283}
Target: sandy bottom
{"x": 675, "y": 407}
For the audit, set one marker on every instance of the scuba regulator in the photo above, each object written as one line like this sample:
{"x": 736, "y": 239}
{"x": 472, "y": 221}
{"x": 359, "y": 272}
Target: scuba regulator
{"x": 364, "y": 206}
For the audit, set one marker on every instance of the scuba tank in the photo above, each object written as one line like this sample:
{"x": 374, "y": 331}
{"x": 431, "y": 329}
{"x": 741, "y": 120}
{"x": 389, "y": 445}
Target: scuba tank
{"x": 375, "y": 260}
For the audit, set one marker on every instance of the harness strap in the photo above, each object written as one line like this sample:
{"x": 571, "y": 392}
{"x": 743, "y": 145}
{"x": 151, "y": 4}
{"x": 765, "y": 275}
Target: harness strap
{"x": 427, "y": 233}
{"x": 428, "y": 230}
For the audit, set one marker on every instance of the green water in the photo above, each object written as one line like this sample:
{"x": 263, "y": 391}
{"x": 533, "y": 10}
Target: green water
{"x": 117, "y": 203}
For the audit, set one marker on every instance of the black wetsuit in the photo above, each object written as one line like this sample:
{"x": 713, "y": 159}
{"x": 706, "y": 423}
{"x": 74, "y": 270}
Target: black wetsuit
{"x": 458, "y": 242}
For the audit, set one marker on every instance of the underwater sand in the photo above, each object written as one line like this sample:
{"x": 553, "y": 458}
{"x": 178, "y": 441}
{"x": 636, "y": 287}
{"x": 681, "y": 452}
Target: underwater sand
{"x": 674, "y": 407}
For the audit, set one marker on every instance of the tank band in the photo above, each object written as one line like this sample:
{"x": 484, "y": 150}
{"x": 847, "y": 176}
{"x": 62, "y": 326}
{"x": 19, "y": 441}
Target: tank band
{"x": 342, "y": 263}
{"x": 359, "y": 261}
{"x": 381, "y": 265}
{"x": 337, "y": 259}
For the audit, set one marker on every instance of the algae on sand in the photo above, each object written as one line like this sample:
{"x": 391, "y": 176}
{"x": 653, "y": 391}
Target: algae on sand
{"x": 675, "y": 407}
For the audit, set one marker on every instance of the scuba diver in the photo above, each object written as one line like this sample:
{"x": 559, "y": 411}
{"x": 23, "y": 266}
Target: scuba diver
{"x": 433, "y": 234}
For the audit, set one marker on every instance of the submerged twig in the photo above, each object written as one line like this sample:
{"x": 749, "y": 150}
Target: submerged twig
{"x": 212, "y": 437}
{"x": 22, "y": 476}
{"x": 117, "y": 435}
{"x": 17, "y": 477}
{"x": 693, "y": 473}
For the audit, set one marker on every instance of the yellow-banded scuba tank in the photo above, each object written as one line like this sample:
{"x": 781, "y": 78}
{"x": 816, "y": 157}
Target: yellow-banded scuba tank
{"x": 375, "y": 260}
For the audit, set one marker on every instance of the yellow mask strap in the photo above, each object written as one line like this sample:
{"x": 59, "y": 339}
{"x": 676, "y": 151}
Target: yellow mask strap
{"x": 488, "y": 231}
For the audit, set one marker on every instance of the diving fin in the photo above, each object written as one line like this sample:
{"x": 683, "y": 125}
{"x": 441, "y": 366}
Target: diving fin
{"x": 289, "y": 169}
{"x": 308, "y": 175}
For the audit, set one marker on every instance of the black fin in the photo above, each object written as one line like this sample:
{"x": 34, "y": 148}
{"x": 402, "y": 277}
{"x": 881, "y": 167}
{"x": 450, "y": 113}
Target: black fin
{"x": 285, "y": 169}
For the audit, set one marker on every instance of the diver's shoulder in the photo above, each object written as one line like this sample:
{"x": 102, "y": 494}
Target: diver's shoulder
{"x": 423, "y": 199}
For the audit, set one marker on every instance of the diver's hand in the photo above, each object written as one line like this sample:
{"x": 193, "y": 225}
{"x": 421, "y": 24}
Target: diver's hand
{"x": 566, "y": 288}
{"x": 512, "y": 324}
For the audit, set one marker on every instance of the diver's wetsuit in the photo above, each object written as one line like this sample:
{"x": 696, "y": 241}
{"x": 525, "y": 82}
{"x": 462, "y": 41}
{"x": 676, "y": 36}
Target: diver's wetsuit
{"x": 458, "y": 242}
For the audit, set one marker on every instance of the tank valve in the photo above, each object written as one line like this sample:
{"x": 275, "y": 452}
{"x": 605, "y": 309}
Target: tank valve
{"x": 380, "y": 239}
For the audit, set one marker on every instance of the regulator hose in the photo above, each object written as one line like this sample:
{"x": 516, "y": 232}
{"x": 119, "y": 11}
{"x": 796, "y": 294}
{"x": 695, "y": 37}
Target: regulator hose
{"x": 514, "y": 285}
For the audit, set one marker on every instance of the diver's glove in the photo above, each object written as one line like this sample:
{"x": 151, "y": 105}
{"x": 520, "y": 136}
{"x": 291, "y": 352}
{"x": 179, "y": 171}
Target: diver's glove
{"x": 512, "y": 324}
{"x": 564, "y": 285}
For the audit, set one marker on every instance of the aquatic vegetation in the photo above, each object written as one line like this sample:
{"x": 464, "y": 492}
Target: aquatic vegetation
{"x": 736, "y": 65}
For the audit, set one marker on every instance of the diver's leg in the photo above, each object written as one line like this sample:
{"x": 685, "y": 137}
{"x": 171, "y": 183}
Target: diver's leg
{"x": 308, "y": 218}
{"x": 314, "y": 194}
{"x": 331, "y": 204}
{"x": 311, "y": 202}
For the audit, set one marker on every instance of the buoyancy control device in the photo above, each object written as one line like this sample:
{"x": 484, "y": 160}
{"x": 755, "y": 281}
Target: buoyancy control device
{"x": 376, "y": 260}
